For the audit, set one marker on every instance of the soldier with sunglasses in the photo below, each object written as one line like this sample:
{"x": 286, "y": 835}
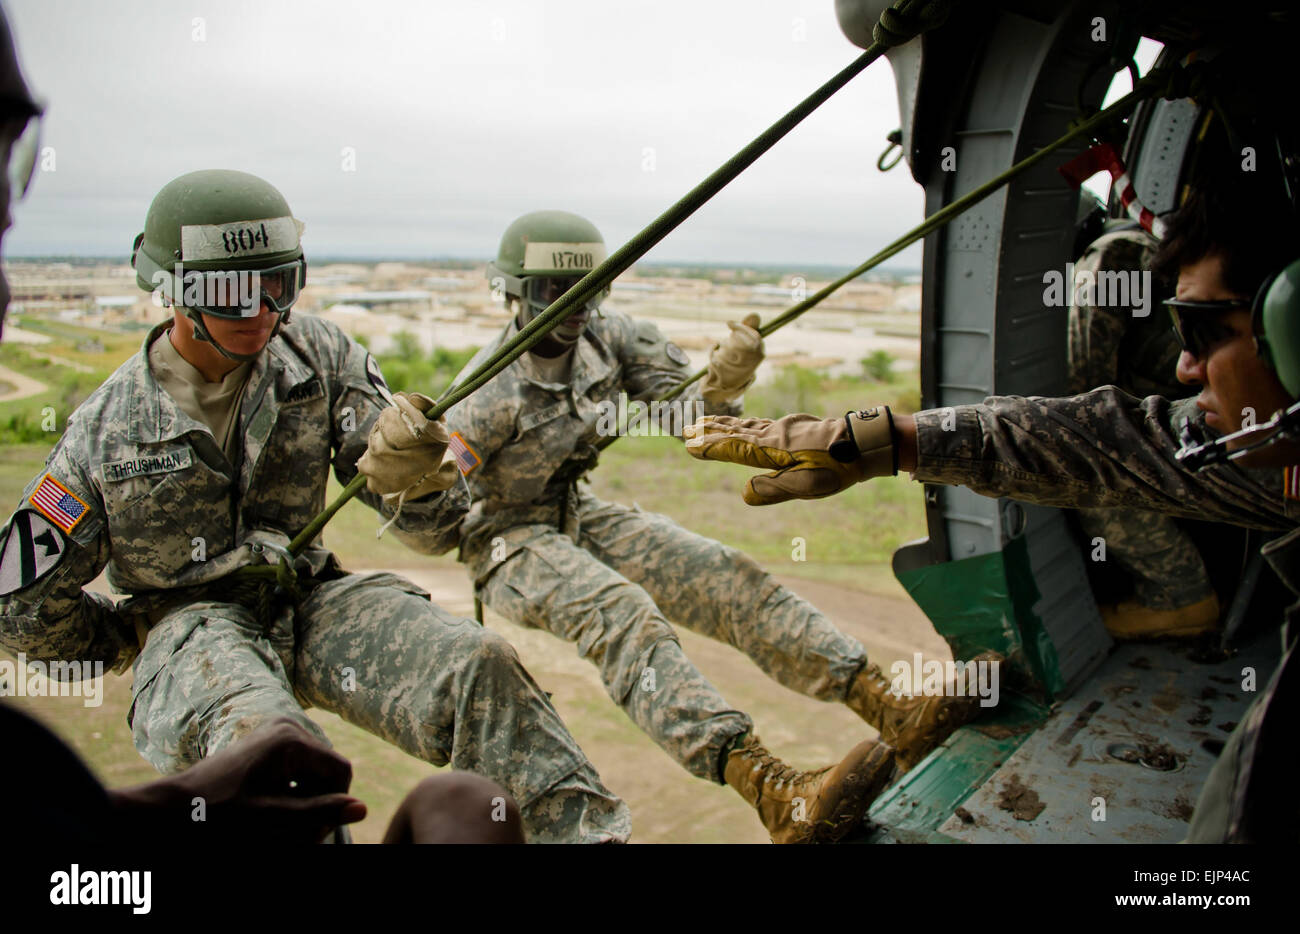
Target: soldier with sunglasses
{"x": 1236, "y": 312}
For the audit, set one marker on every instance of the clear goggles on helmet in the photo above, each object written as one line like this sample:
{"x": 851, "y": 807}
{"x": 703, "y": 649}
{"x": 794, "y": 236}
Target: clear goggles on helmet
{"x": 241, "y": 293}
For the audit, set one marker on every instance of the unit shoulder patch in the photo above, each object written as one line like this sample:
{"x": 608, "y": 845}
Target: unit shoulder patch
{"x": 376, "y": 377}
{"x": 30, "y": 548}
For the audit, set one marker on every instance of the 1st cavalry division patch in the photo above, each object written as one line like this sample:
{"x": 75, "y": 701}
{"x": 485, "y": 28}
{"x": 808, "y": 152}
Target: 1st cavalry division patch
{"x": 30, "y": 548}
{"x": 58, "y": 504}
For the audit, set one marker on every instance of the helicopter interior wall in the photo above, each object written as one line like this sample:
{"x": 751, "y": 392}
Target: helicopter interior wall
{"x": 983, "y": 313}
{"x": 985, "y": 331}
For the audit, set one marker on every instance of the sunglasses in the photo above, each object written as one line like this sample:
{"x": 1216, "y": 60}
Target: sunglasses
{"x": 1198, "y": 326}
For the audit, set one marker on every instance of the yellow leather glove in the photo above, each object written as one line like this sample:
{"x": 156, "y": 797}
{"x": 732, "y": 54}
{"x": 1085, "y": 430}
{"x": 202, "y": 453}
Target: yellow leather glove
{"x": 404, "y": 457}
{"x": 732, "y": 362}
{"x": 809, "y": 457}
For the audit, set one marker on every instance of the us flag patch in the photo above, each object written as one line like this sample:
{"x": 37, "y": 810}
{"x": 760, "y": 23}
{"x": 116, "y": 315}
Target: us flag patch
{"x": 466, "y": 459}
{"x": 57, "y": 503}
{"x": 1291, "y": 482}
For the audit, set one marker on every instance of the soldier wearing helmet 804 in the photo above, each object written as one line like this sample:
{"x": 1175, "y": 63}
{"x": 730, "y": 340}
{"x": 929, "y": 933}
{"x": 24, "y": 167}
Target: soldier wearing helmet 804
{"x": 203, "y": 454}
{"x": 609, "y": 578}
{"x": 244, "y": 254}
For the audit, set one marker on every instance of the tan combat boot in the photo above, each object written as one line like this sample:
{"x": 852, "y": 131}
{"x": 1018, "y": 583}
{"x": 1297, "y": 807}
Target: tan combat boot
{"x": 809, "y": 807}
{"x": 912, "y": 725}
{"x": 1132, "y": 620}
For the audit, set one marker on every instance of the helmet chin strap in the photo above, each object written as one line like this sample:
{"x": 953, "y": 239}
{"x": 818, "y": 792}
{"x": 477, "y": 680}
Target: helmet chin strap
{"x": 550, "y": 346}
{"x": 201, "y": 333}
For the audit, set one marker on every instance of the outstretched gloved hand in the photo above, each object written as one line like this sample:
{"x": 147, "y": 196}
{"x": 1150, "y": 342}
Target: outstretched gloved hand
{"x": 809, "y": 457}
{"x": 405, "y": 455}
{"x": 733, "y": 361}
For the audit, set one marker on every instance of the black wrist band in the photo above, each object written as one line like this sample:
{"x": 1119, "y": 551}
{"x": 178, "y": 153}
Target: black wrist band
{"x": 893, "y": 436}
{"x": 845, "y": 450}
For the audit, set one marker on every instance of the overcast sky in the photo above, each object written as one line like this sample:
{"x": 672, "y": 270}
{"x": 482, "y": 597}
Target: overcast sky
{"x": 463, "y": 116}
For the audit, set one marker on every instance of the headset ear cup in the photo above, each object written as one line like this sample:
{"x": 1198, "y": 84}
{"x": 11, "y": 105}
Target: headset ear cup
{"x": 1278, "y": 314}
{"x": 1257, "y": 322}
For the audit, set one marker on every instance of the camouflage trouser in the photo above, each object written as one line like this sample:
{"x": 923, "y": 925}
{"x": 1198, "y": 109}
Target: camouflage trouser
{"x": 1167, "y": 569}
{"x": 373, "y": 649}
{"x": 610, "y": 591}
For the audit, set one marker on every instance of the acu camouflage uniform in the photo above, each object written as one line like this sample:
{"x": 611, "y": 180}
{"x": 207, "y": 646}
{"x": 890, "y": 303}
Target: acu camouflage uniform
{"x": 609, "y": 577}
{"x": 1108, "y": 345}
{"x": 1108, "y": 449}
{"x": 370, "y": 647}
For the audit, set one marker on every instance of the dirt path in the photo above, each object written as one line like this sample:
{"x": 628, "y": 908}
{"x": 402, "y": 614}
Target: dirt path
{"x": 62, "y": 361}
{"x": 23, "y": 386}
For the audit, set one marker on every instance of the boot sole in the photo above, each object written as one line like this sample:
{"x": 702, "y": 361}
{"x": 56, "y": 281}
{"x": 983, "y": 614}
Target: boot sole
{"x": 959, "y": 714}
{"x": 869, "y": 766}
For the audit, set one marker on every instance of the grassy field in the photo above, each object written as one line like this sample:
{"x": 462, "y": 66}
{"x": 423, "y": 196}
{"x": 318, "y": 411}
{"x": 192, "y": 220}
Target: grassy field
{"x": 847, "y": 544}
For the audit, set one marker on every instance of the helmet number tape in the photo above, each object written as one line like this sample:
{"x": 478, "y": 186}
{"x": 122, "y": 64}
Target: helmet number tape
{"x": 200, "y": 242}
{"x": 581, "y": 257}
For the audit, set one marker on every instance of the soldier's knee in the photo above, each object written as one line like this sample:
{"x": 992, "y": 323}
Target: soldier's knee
{"x": 488, "y": 649}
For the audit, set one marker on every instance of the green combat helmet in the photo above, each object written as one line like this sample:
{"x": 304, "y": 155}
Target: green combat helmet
{"x": 542, "y": 255}
{"x": 221, "y": 243}
{"x": 1276, "y": 315}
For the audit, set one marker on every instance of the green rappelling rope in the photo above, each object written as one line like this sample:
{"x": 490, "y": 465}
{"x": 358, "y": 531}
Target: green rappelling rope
{"x": 898, "y": 24}
{"x": 1154, "y": 82}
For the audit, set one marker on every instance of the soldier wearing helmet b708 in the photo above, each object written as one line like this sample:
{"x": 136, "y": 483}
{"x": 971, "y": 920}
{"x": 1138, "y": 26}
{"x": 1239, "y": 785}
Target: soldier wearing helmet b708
{"x": 544, "y": 553}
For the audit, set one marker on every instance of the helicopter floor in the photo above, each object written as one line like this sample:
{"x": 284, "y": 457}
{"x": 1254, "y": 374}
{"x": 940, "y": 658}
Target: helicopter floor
{"x": 1121, "y": 760}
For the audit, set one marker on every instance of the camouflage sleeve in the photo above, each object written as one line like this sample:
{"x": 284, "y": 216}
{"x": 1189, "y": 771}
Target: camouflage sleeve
{"x": 49, "y": 559}
{"x": 654, "y": 365}
{"x": 1096, "y": 330}
{"x": 487, "y": 422}
{"x": 429, "y": 525}
{"x": 1102, "y": 448}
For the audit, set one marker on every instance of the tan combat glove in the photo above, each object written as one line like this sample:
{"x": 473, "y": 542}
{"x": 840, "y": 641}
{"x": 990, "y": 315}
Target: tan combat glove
{"x": 404, "y": 458}
{"x": 732, "y": 362}
{"x": 813, "y": 457}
